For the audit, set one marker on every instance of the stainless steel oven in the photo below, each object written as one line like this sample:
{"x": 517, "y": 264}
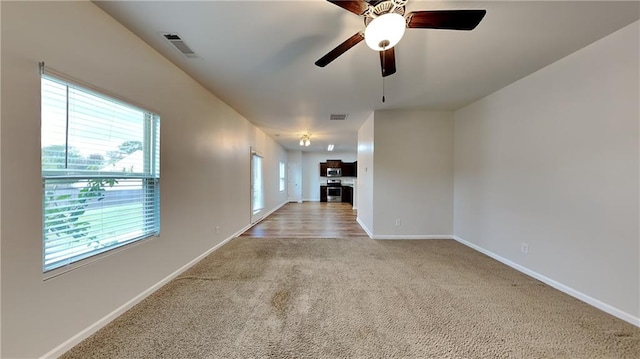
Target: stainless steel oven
{"x": 334, "y": 190}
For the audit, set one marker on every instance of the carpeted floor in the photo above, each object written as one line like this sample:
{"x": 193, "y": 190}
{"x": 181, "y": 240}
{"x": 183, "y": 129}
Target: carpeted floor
{"x": 358, "y": 298}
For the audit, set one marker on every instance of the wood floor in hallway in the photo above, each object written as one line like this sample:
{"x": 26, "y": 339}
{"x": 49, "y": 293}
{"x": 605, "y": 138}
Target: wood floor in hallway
{"x": 309, "y": 220}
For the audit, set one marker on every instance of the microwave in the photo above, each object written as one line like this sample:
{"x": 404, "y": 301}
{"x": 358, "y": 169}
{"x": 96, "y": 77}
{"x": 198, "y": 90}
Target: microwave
{"x": 334, "y": 172}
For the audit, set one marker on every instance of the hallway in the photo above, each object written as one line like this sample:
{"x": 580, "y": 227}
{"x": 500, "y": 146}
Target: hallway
{"x": 309, "y": 220}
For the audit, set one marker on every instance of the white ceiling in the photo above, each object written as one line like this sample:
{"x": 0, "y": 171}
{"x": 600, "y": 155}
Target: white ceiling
{"x": 258, "y": 56}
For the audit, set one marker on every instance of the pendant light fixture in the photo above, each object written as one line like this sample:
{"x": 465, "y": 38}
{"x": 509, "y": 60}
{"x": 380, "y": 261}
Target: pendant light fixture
{"x": 305, "y": 140}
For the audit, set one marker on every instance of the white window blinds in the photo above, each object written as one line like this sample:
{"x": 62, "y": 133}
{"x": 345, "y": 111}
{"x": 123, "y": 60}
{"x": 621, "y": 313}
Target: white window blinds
{"x": 100, "y": 172}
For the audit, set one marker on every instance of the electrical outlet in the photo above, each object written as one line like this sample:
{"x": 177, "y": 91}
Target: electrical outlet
{"x": 524, "y": 248}
{"x": 398, "y": 222}
{"x": 217, "y": 229}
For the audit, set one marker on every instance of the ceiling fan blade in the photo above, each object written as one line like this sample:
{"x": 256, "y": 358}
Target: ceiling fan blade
{"x": 357, "y": 7}
{"x": 445, "y": 19}
{"x": 388, "y": 62}
{"x": 340, "y": 49}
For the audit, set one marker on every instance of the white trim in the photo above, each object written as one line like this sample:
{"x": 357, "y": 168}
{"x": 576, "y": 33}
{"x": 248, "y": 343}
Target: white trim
{"x": 273, "y": 210}
{"x": 412, "y": 236}
{"x": 402, "y": 237}
{"x": 559, "y": 286}
{"x": 277, "y": 208}
{"x": 244, "y": 229}
{"x": 261, "y": 218}
{"x": 364, "y": 227}
{"x": 88, "y": 331}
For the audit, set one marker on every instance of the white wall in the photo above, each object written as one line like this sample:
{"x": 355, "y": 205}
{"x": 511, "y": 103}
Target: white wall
{"x": 0, "y": 199}
{"x": 552, "y": 161}
{"x": 413, "y": 179}
{"x": 364, "y": 188}
{"x": 205, "y": 164}
{"x": 311, "y": 171}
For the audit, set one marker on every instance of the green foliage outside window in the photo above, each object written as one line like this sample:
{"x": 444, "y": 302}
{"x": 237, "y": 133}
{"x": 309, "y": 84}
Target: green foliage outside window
{"x": 64, "y": 220}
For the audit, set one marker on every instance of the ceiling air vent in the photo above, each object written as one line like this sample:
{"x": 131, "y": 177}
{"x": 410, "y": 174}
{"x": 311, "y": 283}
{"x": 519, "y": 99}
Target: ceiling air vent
{"x": 179, "y": 44}
{"x": 337, "y": 117}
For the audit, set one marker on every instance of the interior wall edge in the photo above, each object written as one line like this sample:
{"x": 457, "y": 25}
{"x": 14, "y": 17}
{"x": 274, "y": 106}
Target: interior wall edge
{"x": 364, "y": 227}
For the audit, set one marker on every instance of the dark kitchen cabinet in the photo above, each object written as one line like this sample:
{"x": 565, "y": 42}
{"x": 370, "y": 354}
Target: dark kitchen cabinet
{"x": 323, "y": 193}
{"x": 334, "y": 163}
{"x": 347, "y": 194}
{"x": 350, "y": 169}
{"x": 323, "y": 169}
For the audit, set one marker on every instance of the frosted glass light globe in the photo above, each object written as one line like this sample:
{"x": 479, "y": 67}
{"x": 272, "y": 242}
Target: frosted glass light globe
{"x": 385, "y": 31}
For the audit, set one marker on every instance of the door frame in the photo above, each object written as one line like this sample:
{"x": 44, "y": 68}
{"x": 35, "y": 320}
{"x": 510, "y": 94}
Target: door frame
{"x": 256, "y": 214}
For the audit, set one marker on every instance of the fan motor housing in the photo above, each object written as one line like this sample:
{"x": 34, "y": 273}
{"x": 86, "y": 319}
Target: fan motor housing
{"x": 384, "y": 8}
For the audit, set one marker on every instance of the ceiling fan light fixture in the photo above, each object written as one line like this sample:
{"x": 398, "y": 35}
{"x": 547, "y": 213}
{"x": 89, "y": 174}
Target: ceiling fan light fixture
{"x": 385, "y": 31}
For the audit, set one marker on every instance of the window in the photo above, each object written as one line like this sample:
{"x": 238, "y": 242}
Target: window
{"x": 100, "y": 172}
{"x": 282, "y": 183}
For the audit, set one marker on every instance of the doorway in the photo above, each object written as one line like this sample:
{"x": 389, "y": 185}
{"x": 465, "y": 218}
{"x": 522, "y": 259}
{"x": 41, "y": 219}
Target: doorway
{"x": 294, "y": 179}
{"x": 257, "y": 187}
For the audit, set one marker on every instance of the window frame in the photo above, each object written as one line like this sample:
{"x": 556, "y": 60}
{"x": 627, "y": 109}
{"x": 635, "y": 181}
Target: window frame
{"x": 149, "y": 179}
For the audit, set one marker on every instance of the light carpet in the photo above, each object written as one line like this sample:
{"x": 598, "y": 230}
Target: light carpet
{"x": 358, "y": 298}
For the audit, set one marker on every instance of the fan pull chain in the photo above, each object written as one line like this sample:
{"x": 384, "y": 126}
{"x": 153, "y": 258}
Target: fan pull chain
{"x": 383, "y": 69}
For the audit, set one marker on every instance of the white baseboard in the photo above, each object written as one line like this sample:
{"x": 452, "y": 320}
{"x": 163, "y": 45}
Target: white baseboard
{"x": 401, "y": 237}
{"x": 364, "y": 227}
{"x": 88, "y": 331}
{"x": 412, "y": 237}
{"x": 261, "y": 219}
{"x": 274, "y": 209}
{"x": 244, "y": 229}
{"x": 559, "y": 286}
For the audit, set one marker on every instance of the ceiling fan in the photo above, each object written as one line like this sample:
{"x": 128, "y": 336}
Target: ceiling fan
{"x": 385, "y": 22}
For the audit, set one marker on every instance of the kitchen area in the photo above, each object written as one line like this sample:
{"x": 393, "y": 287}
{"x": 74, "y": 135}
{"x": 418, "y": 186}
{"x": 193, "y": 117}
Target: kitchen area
{"x": 337, "y": 181}
{"x": 308, "y": 181}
